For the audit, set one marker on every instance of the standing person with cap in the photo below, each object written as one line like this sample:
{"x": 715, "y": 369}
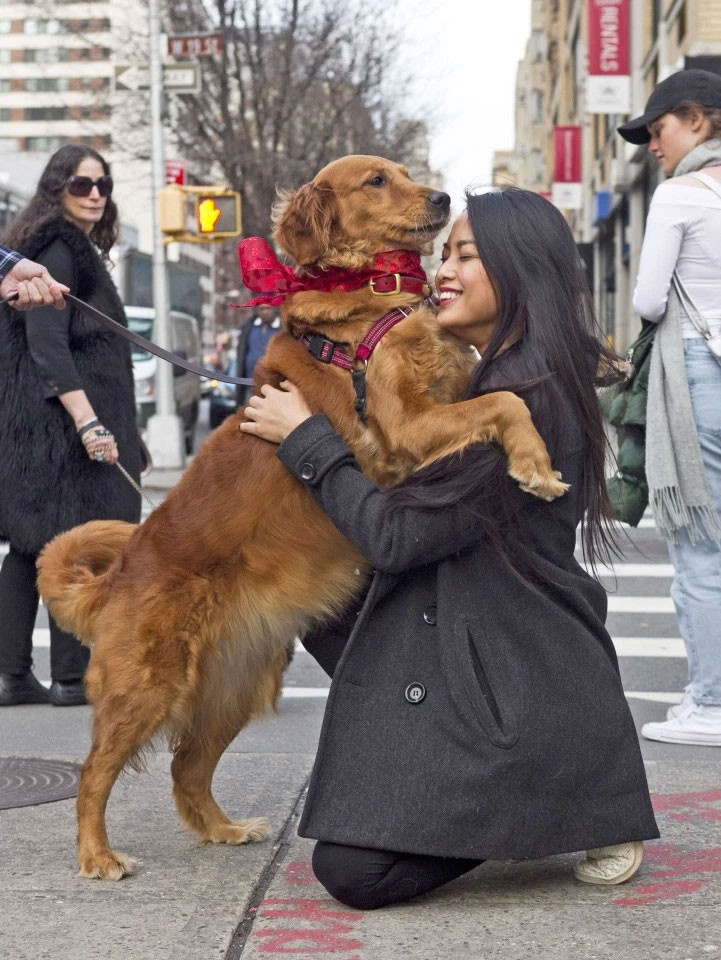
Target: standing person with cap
{"x": 679, "y": 287}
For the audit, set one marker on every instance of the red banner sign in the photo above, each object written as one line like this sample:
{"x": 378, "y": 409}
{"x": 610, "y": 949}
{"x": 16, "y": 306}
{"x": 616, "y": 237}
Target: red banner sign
{"x": 567, "y": 146}
{"x": 609, "y": 56}
{"x": 608, "y": 38}
{"x": 567, "y": 193}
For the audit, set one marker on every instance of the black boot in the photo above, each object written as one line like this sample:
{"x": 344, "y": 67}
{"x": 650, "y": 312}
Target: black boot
{"x": 67, "y": 693}
{"x": 23, "y": 689}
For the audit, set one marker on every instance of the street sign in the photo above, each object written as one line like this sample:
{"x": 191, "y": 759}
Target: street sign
{"x": 175, "y": 172}
{"x": 195, "y": 44}
{"x": 177, "y": 77}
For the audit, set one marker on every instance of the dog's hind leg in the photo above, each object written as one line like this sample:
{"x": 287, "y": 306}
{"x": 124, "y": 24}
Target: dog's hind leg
{"x": 121, "y": 727}
{"x": 196, "y": 756}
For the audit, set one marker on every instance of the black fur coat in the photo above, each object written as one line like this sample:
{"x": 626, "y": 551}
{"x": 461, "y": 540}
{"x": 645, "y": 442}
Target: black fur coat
{"x": 47, "y": 482}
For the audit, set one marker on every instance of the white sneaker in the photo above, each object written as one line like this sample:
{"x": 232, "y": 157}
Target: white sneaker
{"x": 680, "y": 707}
{"x": 695, "y": 724}
{"x": 610, "y": 865}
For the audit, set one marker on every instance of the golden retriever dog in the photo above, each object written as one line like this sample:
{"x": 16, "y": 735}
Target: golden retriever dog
{"x": 190, "y": 614}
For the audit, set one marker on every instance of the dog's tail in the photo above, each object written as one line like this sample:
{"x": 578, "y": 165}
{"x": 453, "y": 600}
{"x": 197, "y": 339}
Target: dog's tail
{"x": 72, "y": 573}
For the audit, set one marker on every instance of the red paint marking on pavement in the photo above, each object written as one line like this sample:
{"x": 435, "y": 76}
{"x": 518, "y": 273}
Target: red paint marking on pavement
{"x": 309, "y": 928}
{"x": 299, "y": 872}
{"x": 669, "y": 861}
{"x": 689, "y": 806}
{"x": 660, "y": 891}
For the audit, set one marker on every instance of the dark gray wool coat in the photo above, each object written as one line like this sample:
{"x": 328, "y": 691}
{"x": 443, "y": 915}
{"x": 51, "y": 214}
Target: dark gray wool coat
{"x": 470, "y": 715}
{"x": 47, "y": 482}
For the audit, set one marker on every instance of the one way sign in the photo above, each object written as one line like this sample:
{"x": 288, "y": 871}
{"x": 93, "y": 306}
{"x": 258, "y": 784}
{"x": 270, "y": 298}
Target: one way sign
{"x": 177, "y": 77}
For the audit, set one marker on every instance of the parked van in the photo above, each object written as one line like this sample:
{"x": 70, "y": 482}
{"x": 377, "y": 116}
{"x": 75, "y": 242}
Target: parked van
{"x": 185, "y": 341}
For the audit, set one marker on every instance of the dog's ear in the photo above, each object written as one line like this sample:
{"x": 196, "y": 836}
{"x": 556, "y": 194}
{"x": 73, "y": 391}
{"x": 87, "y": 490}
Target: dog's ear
{"x": 304, "y": 221}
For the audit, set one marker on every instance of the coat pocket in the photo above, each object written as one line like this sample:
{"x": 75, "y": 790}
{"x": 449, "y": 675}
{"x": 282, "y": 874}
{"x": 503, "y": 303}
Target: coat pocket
{"x": 486, "y": 698}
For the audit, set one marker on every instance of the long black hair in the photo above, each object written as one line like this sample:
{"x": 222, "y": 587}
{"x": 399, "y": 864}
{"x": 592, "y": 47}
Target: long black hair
{"x": 47, "y": 203}
{"x": 545, "y": 310}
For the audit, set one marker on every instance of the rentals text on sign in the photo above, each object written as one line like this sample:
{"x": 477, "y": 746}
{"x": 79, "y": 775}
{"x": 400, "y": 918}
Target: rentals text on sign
{"x": 609, "y": 57}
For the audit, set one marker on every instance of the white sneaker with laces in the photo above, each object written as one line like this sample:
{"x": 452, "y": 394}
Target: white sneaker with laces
{"x": 610, "y": 865}
{"x": 680, "y": 707}
{"x": 695, "y": 725}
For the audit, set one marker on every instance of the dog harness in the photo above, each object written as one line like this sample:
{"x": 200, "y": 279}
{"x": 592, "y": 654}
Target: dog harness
{"x": 330, "y": 351}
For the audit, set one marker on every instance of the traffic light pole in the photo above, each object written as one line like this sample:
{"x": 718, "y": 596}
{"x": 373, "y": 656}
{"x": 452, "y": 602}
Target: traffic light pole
{"x": 165, "y": 433}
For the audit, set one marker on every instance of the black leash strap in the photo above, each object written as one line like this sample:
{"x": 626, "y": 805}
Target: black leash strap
{"x": 148, "y": 344}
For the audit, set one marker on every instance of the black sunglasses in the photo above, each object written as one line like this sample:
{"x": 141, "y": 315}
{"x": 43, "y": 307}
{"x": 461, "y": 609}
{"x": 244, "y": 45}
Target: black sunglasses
{"x": 83, "y": 186}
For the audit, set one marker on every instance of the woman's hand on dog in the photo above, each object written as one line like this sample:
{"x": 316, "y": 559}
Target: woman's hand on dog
{"x": 276, "y": 413}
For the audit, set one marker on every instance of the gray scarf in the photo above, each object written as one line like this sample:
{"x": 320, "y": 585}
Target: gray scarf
{"x": 678, "y": 490}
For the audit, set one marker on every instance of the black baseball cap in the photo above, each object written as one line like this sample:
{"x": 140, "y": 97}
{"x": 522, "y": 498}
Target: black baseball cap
{"x": 700, "y": 86}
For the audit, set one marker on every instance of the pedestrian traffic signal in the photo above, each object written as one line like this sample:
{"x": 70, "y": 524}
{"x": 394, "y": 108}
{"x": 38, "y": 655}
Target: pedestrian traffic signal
{"x": 218, "y": 215}
{"x": 199, "y": 214}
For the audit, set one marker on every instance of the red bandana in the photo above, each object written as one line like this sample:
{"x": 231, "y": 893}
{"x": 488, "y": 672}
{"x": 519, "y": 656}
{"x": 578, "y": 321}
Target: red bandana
{"x": 264, "y": 273}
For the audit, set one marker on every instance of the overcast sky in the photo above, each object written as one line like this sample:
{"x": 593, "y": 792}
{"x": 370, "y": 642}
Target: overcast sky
{"x": 463, "y": 55}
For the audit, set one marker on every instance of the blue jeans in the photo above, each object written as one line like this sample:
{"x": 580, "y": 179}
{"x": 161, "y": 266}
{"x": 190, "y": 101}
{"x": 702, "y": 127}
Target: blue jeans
{"x": 696, "y": 589}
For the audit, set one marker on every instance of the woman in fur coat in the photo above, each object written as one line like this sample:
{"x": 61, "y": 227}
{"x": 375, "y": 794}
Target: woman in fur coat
{"x": 67, "y": 412}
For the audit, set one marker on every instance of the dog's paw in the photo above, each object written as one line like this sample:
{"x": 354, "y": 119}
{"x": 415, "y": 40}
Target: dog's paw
{"x": 240, "y": 831}
{"x": 107, "y": 865}
{"x": 546, "y": 485}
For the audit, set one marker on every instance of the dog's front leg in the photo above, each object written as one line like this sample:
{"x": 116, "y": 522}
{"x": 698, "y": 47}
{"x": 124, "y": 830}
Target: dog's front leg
{"x": 501, "y": 417}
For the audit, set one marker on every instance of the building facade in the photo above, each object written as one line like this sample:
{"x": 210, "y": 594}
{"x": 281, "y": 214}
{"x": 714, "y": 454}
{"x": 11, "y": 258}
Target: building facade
{"x": 58, "y": 65}
{"x": 617, "y": 179}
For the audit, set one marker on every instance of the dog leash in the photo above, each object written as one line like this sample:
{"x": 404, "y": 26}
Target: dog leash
{"x": 134, "y": 485}
{"x": 148, "y": 345}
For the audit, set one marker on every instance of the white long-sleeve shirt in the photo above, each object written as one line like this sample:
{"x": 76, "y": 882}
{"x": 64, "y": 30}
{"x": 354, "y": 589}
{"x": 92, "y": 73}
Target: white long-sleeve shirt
{"x": 683, "y": 232}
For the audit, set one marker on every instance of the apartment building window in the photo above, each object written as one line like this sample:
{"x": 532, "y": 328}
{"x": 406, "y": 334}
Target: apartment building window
{"x": 5, "y": 56}
{"x": 5, "y": 114}
{"x": 47, "y": 55}
{"x": 6, "y": 26}
{"x": 47, "y": 113}
{"x": 681, "y": 24}
{"x": 43, "y": 26}
{"x": 47, "y": 84}
{"x": 537, "y": 106}
{"x": 45, "y": 143}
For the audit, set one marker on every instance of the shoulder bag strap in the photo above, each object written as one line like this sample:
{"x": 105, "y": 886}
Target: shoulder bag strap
{"x": 692, "y": 311}
{"x": 711, "y": 182}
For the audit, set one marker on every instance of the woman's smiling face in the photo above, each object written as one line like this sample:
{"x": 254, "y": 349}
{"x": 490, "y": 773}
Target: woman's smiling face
{"x": 468, "y": 301}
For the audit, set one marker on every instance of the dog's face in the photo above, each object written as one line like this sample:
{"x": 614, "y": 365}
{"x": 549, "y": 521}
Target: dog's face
{"x": 355, "y": 207}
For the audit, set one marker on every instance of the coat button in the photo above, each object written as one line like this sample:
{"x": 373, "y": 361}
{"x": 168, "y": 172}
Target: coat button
{"x": 430, "y": 615}
{"x": 415, "y": 692}
{"x": 307, "y": 471}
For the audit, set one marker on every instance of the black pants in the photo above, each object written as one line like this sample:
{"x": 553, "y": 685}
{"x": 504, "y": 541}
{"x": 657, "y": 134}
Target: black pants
{"x": 18, "y": 608}
{"x": 368, "y": 879}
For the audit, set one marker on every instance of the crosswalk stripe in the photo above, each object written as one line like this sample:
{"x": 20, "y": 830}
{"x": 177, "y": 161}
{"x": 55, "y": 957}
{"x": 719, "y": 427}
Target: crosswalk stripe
{"x": 625, "y": 646}
{"x": 649, "y": 647}
{"x": 640, "y": 605}
{"x": 635, "y": 570}
{"x": 654, "y": 695}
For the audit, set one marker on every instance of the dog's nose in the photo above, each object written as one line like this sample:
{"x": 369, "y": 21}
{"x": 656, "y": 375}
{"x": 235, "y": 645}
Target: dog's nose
{"x": 441, "y": 200}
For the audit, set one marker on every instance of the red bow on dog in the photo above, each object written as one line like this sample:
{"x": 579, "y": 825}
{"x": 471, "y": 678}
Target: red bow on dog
{"x": 264, "y": 273}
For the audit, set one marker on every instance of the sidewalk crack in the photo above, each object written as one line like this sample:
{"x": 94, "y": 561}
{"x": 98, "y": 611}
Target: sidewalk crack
{"x": 245, "y": 927}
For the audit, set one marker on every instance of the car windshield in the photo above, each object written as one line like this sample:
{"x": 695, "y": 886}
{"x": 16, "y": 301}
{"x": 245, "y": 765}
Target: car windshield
{"x": 144, "y": 327}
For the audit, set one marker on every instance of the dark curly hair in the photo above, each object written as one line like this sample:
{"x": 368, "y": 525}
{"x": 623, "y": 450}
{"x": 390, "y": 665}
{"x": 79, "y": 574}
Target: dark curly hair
{"x": 47, "y": 204}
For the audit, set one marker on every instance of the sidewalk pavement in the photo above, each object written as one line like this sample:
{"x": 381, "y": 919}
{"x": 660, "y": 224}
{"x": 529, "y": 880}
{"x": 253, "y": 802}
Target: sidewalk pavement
{"x": 193, "y": 902}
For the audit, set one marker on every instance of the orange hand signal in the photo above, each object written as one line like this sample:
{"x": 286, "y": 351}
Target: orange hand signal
{"x": 208, "y": 213}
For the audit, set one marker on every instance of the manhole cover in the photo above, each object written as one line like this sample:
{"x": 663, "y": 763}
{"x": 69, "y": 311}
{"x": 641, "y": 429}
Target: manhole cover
{"x": 25, "y": 783}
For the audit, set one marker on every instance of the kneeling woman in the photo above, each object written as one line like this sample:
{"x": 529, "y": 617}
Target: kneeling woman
{"x": 476, "y": 710}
